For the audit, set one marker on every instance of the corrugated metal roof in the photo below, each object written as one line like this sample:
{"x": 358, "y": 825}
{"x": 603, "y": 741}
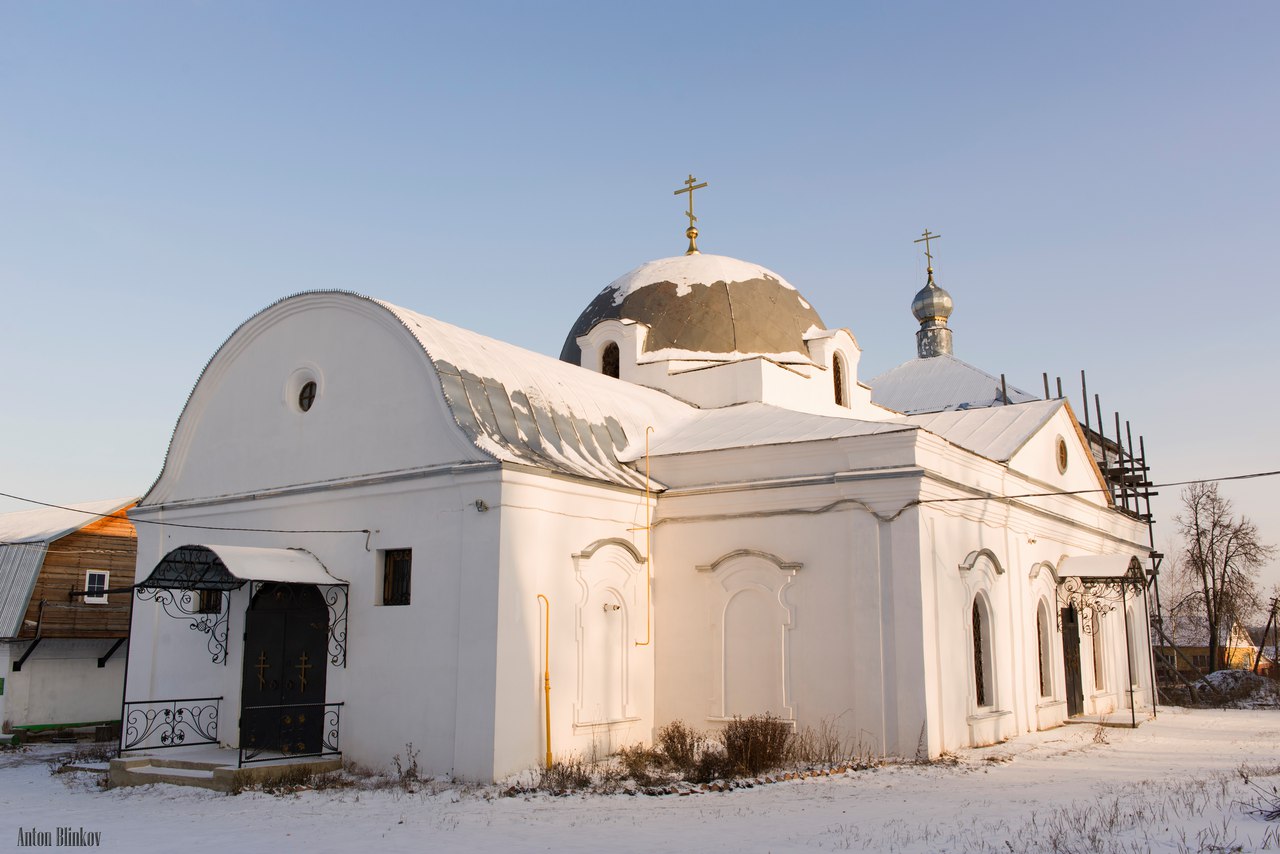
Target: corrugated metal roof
{"x": 940, "y": 383}
{"x": 755, "y": 424}
{"x": 996, "y": 432}
{"x": 24, "y": 539}
{"x": 528, "y": 408}
{"x": 19, "y": 566}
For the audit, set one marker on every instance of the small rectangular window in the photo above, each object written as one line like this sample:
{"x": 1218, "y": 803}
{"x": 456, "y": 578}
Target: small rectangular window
{"x": 210, "y": 602}
{"x": 95, "y": 585}
{"x": 397, "y": 566}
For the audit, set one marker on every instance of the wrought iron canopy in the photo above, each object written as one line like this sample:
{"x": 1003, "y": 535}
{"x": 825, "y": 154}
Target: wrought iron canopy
{"x": 1103, "y": 569}
{"x": 198, "y": 567}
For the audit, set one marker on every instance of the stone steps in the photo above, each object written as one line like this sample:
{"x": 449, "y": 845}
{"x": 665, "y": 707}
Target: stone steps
{"x": 220, "y": 777}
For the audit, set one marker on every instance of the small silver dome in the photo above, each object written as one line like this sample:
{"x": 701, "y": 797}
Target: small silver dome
{"x": 932, "y": 303}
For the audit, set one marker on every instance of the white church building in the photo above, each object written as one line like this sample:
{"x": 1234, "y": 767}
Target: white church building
{"x": 380, "y": 529}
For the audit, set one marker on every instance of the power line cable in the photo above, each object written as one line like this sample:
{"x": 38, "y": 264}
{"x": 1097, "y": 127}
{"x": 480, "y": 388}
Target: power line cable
{"x": 1101, "y": 489}
{"x": 365, "y": 531}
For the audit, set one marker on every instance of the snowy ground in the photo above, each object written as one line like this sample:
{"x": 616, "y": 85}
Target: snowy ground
{"x": 1171, "y": 785}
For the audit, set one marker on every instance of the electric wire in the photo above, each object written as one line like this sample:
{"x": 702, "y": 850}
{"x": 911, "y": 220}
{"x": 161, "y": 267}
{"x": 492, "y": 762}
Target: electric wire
{"x": 1249, "y": 476}
{"x": 364, "y": 531}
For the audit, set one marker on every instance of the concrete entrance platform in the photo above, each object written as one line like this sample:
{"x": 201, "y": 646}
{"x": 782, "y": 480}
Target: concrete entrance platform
{"x": 208, "y": 767}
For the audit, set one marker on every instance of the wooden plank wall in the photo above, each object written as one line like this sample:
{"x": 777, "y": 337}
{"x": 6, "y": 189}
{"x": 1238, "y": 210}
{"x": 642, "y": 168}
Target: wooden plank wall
{"x": 109, "y": 544}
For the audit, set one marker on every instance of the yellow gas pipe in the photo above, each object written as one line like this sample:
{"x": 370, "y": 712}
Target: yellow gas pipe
{"x": 546, "y": 672}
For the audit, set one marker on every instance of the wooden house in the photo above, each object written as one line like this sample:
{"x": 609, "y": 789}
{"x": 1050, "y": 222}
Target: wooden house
{"x": 65, "y": 587}
{"x": 1236, "y": 651}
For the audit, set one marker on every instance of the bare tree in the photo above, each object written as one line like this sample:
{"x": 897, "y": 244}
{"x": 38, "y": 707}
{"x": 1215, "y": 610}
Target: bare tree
{"x": 1221, "y": 556}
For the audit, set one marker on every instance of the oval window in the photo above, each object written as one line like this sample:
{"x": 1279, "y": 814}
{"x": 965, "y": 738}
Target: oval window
{"x": 307, "y": 395}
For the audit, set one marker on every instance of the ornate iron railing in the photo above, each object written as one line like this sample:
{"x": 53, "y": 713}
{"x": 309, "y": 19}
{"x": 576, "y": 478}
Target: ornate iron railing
{"x": 156, "y": 724}
{"x": 327, "y": 745}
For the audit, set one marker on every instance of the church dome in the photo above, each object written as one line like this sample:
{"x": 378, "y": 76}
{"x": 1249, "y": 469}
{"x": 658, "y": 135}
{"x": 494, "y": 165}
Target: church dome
{"x": 932, "y": 303}
{"x": 703, "y": 307}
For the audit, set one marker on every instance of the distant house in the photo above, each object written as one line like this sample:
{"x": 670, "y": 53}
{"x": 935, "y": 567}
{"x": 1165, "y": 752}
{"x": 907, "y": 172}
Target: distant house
{"x": 1236, "y": 651}
{"x": 63, "y": 622}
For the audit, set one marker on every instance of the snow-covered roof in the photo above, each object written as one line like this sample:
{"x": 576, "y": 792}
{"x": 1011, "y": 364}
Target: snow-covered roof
{"x": 219, "y": 567}
{"x": 1099, "y": 566}
{"x": 523, "y": 407}
{"x": 24, "y": 540}
{"x": 940, "y": 383}
{"x": 46, "y": 524}
{"x": 685, "y": 271}
{"x": 1192, "y": 632}
{"x": 750, "y": 425}
{"x": 995, "y": 432}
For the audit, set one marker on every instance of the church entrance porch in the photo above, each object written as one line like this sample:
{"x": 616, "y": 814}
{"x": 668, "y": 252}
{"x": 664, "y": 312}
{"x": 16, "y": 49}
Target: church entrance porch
{"x": 275, "y": 691}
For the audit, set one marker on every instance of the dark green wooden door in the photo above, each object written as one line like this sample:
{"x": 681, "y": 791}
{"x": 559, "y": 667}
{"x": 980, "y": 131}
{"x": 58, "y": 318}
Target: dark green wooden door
{"x": 1071, "y": 660}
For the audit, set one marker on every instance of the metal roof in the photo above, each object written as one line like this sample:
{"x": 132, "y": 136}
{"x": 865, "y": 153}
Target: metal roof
{"x": 995, "y": 432}
{"x": 755, "y": 424}
{"x": 940, "y": 383}
{"x": 524, "y": 407}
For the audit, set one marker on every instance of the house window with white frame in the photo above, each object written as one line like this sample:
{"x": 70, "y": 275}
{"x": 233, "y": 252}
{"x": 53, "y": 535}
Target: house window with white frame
{"x": 95, "y": 586}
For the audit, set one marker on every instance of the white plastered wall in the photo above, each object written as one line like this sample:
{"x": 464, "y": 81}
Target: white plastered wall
{"x": 801, "y": 386}
{"x": 581, "y": 546}
{"x": 61, "y": 683}
{"x": 835, "y": 608}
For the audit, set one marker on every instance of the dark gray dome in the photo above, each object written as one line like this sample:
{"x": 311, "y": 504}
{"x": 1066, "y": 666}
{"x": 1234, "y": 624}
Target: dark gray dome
{"x": 704, "y": 307}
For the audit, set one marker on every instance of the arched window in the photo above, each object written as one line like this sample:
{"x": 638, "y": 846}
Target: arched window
{"x": 610, "y": 360}
{"x": 1044, "y": 648}
{"x": 982, "y": 663}
{"x": 837, "y": 376}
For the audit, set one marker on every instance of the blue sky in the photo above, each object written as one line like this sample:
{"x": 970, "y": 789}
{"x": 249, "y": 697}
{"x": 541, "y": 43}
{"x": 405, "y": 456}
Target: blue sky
{"x": 1103, "y": 176}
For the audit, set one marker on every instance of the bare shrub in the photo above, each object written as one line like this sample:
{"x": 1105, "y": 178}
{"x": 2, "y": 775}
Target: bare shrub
{"x": 820, "y": 746}
{"x": 566, "y": 774}
{"x": 757, "y": 743}
{"x": 680, "y": 744}
{"x": 638, "y": 763}
{"x": 712, "y": 764}
{"x": 407, "y": 770}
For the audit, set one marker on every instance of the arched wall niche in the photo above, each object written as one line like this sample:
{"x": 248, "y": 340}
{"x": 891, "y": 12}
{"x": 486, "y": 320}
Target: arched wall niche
{"x": 750, "y": 620}
{"x": 610, "y": 578}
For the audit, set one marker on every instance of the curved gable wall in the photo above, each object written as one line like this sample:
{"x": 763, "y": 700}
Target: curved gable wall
{"x": 379, "y": 406}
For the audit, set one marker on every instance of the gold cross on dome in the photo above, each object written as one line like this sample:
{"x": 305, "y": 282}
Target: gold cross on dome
{"x": 692, "y": 231}
{"x": 925, "y": 240}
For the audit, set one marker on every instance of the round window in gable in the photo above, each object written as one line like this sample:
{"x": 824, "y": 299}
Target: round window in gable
{"x": 302, "y": 388}
{"x": 1062, "y": 455}
{"x": 307, "y": 395}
